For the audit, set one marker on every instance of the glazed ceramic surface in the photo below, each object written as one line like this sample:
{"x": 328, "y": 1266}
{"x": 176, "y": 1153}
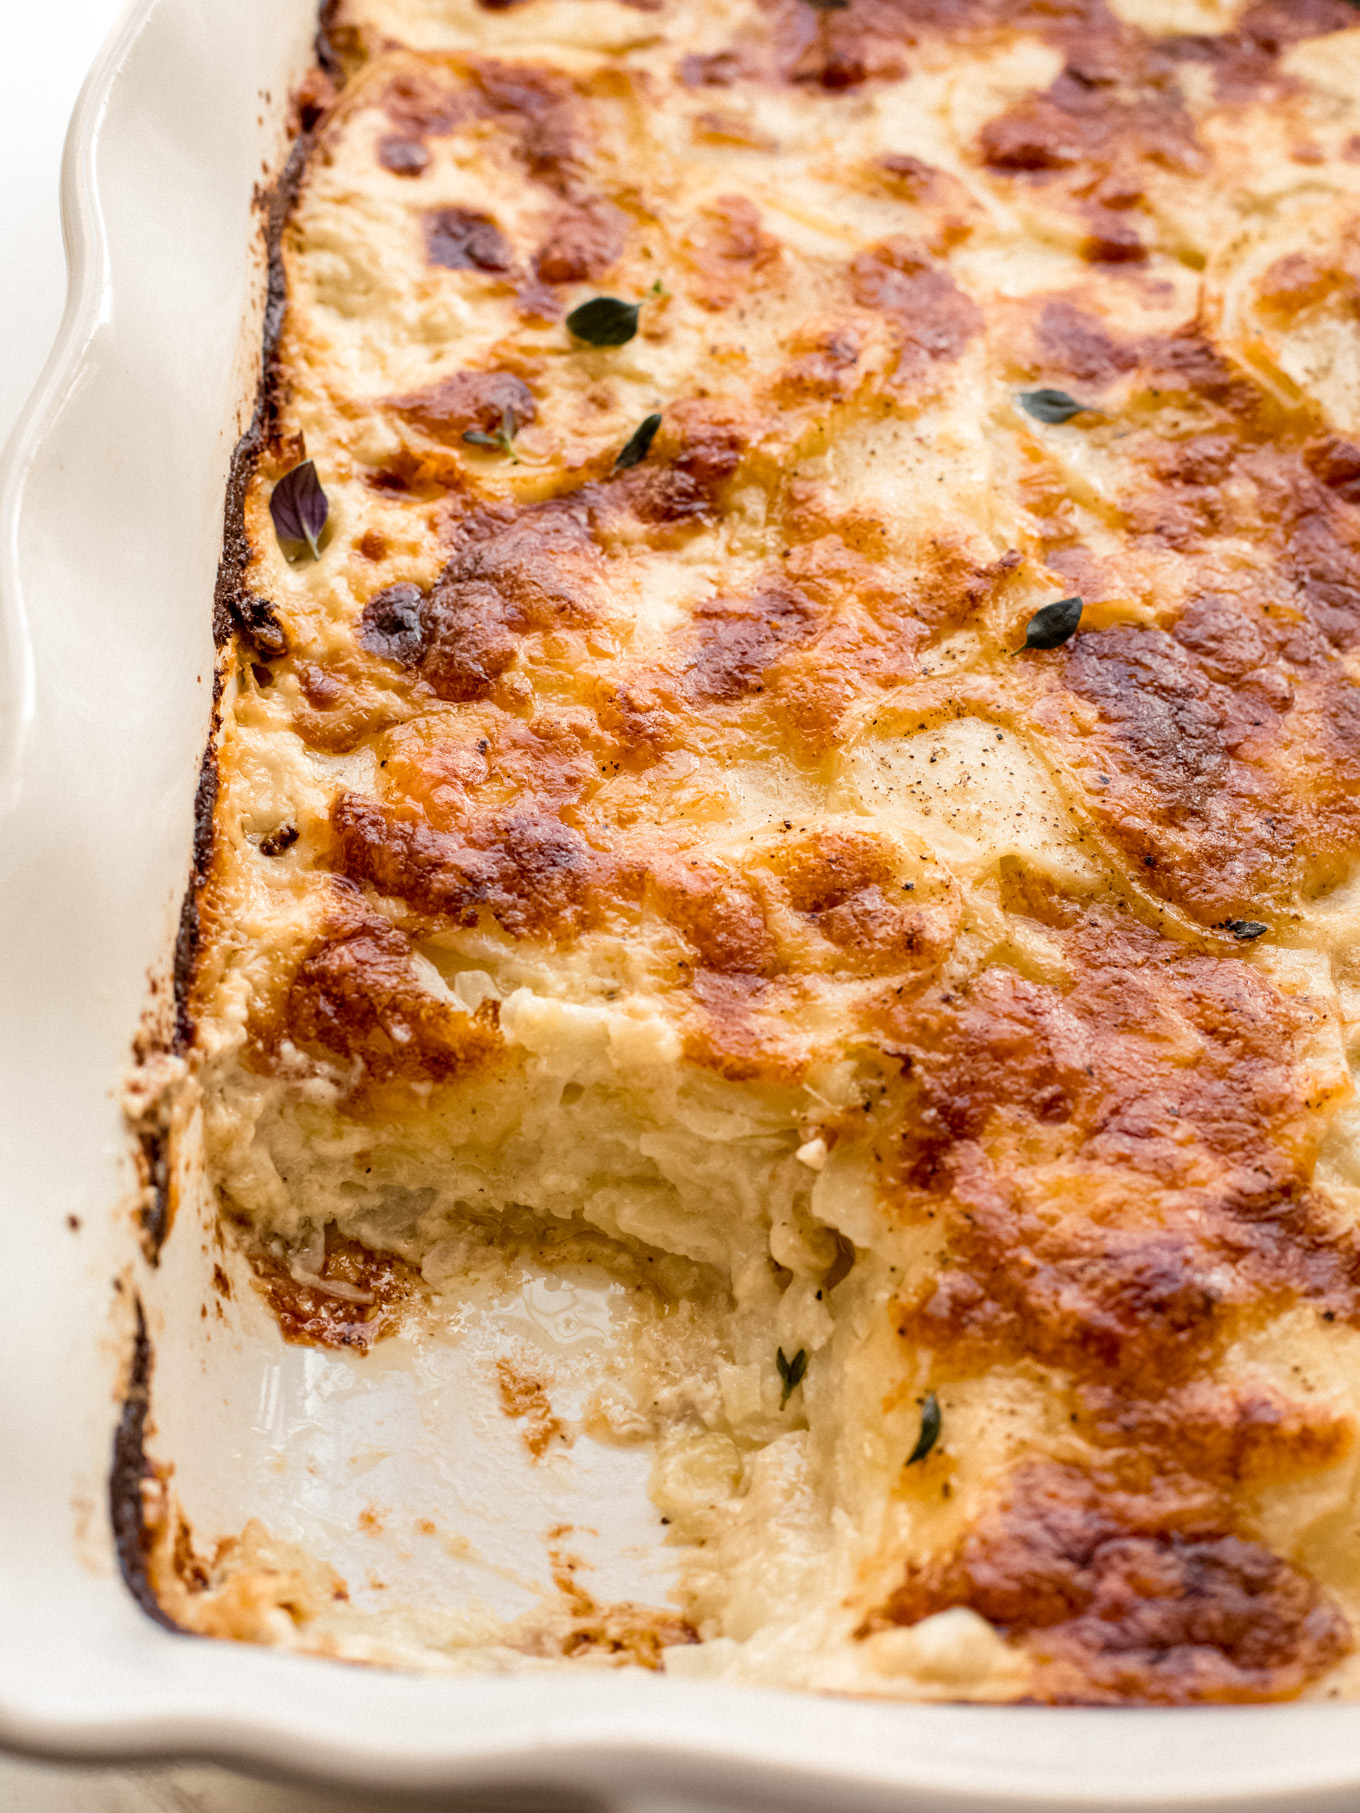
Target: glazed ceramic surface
{"x": 110, "y": 524}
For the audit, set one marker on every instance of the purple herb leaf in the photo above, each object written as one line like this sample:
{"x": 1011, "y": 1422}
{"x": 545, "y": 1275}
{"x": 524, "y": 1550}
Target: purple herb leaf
{"x": 300, "y": 507}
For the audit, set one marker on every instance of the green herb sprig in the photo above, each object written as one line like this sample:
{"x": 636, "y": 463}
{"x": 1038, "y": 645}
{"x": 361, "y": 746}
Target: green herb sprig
{"x": 791, "y": 1372}
{"x": 1053, "y": 624}
{"x": 605, "y": 321}
{"x": 638, "y": 444}
{"x": 1051, "y": 406}
{"x": 930, "y": 1429}
{"x": 502, "y": 440}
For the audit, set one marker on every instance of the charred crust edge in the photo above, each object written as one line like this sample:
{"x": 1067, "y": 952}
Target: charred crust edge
{"x": 252, "y": 621}
{"x": 154, "y": 1213}
{"x": 236, "y": 611}
{"x": 187, "y": 938}
{"x": 130, "y": 1469}
{"x": 234, "y": 607}
{"x": 327, "y": 56}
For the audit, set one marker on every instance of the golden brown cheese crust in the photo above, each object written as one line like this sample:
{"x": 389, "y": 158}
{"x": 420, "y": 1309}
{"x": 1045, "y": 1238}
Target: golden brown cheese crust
{"x": 1127, "y": 1595}
{"x": 547, "y": 687}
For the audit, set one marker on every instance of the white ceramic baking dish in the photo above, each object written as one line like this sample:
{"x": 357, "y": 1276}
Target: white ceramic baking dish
{"x": 110, "y": 526}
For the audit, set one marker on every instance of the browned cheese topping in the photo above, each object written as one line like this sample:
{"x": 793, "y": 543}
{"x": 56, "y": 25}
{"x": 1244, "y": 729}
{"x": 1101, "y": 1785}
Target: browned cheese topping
{"x": 690, "y": 848}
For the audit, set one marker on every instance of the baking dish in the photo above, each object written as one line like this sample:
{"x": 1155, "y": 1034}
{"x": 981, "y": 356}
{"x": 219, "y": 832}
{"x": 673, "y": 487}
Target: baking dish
{"x": 111, "y": 529}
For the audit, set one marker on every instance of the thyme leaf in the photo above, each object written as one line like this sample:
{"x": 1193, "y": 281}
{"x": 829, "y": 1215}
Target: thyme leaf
{"x": 1053, "y": 624}
{"x": 300, "y": 507}
{"x": 930, "y": 1429}
{"x": 502, "y": 441}
{"x": 638, "y": 444}
{"x": 1244, "y": 930}
{"x": 791, "y": 1372}
{"x": 604, "y": 321}
{"x": 1050, "y": 405}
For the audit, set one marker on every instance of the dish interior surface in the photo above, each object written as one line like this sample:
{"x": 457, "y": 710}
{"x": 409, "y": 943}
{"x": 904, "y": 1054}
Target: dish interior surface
{"x": 760, "y": 1080}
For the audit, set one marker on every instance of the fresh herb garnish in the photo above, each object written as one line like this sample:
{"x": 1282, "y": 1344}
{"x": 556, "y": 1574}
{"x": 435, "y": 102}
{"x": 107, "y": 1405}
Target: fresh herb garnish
{"x": 1245, "y": 929}
{"x": 1053, "y": 624}
{"x": 791, "y": 1372}
{"x": 605, "y": 321}
{"x": 1050, "y": 405}
{"x": 300, "y": 507}
{"x": 930, "y": 1429}
{"x": 502, "y": 441}
{"x": 638, "y": 444}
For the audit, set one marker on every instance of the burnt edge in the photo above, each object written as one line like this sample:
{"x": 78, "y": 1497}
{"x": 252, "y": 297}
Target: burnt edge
{"x": 188, "y": 937}
{"x": 233, "y": 606}
{"x": 130, "y": 1469}
{"x": 154, "y": 1215}
{"x": 251, "y": 620}
{"x": 327, "y": 56}
{"x": 236, "y": 611}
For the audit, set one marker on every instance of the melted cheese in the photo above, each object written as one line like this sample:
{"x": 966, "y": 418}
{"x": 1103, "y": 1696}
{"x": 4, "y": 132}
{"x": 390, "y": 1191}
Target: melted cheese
{"x": 683, "y": 855}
